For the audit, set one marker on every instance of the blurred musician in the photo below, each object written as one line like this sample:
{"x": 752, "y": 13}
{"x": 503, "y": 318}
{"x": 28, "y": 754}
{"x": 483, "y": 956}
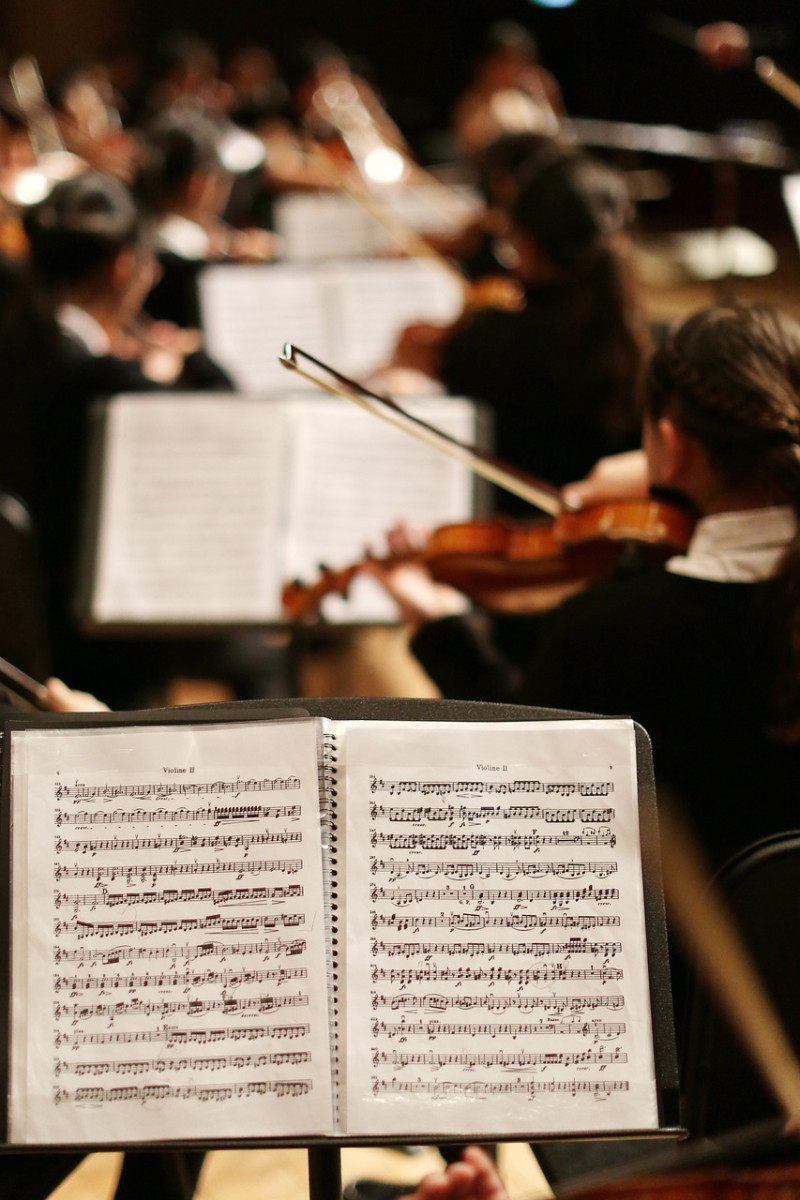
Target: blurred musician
{"x": 511, "y": 92}
{"x": 184, "y": 183}
{"x": 562, "y": 375}
{"x": 702, "y": 651}
{"x": 66, "y": 340}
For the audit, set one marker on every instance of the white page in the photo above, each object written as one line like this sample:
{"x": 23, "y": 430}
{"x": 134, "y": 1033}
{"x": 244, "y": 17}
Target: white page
{"x": 190, "y": 510}
{"x": 431, "y": 208}
{"x": 250, "y": 311}
{"x": 493, "y": 873}
{"x": 168, "y": 957}
{"x": 377, "y": 300}
{"x": 314, "y": 226}
{"x": 353, "y": 477}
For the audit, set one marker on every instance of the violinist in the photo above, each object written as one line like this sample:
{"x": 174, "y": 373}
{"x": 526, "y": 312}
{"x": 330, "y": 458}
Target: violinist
{"x": 184, "y": 184}
{"x": 703, "y": 651}
{"x": 511, "y": 91}
{"x": 67, "y": 340}
{"x": 561, "y": 375}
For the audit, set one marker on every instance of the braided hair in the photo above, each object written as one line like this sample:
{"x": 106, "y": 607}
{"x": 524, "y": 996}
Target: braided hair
{"x": 730, "y": 377}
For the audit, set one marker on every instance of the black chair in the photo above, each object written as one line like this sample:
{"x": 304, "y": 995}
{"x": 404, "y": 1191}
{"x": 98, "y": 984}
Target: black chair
{"x": 24, "y": 632}
{"x": 722, "y": 1087}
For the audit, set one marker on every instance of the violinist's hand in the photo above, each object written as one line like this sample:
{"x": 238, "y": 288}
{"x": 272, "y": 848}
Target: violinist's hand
{"x": 618, "y": 477}
{"x": 722, "y": 45}
{"x": 419, "y": 348}
{"x": 418, "y": 596}
{"x": 475, "y": 1177}
{"x": 164, "y": 349}
{"x": 61, "y": 698}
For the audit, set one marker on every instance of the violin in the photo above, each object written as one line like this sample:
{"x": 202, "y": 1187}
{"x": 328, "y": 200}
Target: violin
{"x": 511, "y": 566}
{"x": 499, "y": 563}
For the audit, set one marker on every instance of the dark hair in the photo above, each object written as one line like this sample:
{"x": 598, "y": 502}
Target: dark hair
{"x": 576, "y": 208}
{"x": 730, "y": 376}
{"x": 178, "y": 143}
{"x": 519, "y": 154}
{"x": 82, "y": 225}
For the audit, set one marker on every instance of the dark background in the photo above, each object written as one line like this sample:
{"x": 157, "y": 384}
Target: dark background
{"x": 608, "y": 58}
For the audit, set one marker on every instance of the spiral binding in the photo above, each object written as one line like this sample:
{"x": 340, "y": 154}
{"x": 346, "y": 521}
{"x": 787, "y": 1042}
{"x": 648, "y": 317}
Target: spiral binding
{"x": 329, "y": 792}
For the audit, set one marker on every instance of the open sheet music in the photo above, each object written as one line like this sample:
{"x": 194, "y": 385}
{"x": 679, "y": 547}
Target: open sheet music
{"x": 204, "y": 505}
{"x": 350, "y": 313}
{"x": 304, "y": 927}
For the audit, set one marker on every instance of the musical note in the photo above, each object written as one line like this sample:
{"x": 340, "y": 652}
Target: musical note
{"x": 482, "y": 841}
{"x": 597, "y": 1087}
{"x": 463, "y": 813}
{"x": 480, "y": 896}
{"x": 82, "y": 791}
{"x": 159, "y": 816}
{"x": 398, "y": 869}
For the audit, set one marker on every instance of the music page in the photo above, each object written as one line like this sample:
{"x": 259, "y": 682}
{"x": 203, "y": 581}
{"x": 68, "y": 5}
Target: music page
{"x": 352, "y": 478}
{"x": 169, "y": 974}
{"x": 495, "y": 957}
{"x": 189, "y": 510}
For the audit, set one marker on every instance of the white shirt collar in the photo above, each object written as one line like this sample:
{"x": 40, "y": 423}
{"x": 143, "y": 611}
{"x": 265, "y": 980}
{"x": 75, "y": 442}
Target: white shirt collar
{"x": 738, "y": 547}
{"x": 84, "y": 328}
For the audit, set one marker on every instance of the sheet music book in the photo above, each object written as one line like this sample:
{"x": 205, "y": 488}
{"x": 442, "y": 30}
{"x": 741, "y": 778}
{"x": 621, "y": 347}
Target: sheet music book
{"x": 303, "y": 927}
{"x": 205, "y": 504}
{"x": 348, "y": 312}
{"x": 314, "y": 226}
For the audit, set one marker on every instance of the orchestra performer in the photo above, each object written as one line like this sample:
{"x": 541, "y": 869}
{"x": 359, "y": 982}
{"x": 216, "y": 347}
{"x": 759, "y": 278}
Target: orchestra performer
{"x": 703, "y": 651}
{"x": 561, "y": 375}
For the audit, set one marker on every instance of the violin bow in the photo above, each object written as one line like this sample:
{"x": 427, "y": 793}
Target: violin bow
{"x": 23, "y": 686}
{"x": 533, "y": 491}
{"x": 778, "y": 80}
{"x": 765, "y": 68}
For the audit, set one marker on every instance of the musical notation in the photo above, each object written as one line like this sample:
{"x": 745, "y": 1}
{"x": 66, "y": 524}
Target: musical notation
{"x": 599, "y": 1030}
{"x": 214, "y": 813}
{"x": 559, "y": 899}
{"x": 143, "y": 1066}
{"x": 162, "y": 1008}
{"x": 597, "y": 1087}
{"x": 472, "y": 949}
{"x": 152, "y": 870}
{"x": 82, "y": 954}
{"x": 482, "y": 841}
{"x": 106, "y": 791}
{"x": 453, "y": 813}
{"x": 225, "y": 924}
{"x": 480, "y": 920}
{"x": 490, "y": 976}
{"x": 549, "y": 973}
{"x": 440, "y": 1003}
{"x": 171, "y": 1036}
{"x": 252, "y": 895}
{"x": 180, "y": 844}
{"x": 165, "y": 1091}
{"x": 399, "y": 868}
{"x": 233, "y": 978}
{"x": 486, "y": 787}
{"x": 502, "y": 1058}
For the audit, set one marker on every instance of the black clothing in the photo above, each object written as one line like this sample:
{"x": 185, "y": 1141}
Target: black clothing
{"x": 49, "y": 388}
{"x": 507, "y": 360}
{"x": 176, "y": 296}
{"x": 684, "y": 657}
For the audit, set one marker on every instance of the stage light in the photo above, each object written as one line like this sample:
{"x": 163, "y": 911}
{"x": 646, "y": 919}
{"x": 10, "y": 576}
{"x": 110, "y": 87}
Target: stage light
{"x": 553, "y": 3}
